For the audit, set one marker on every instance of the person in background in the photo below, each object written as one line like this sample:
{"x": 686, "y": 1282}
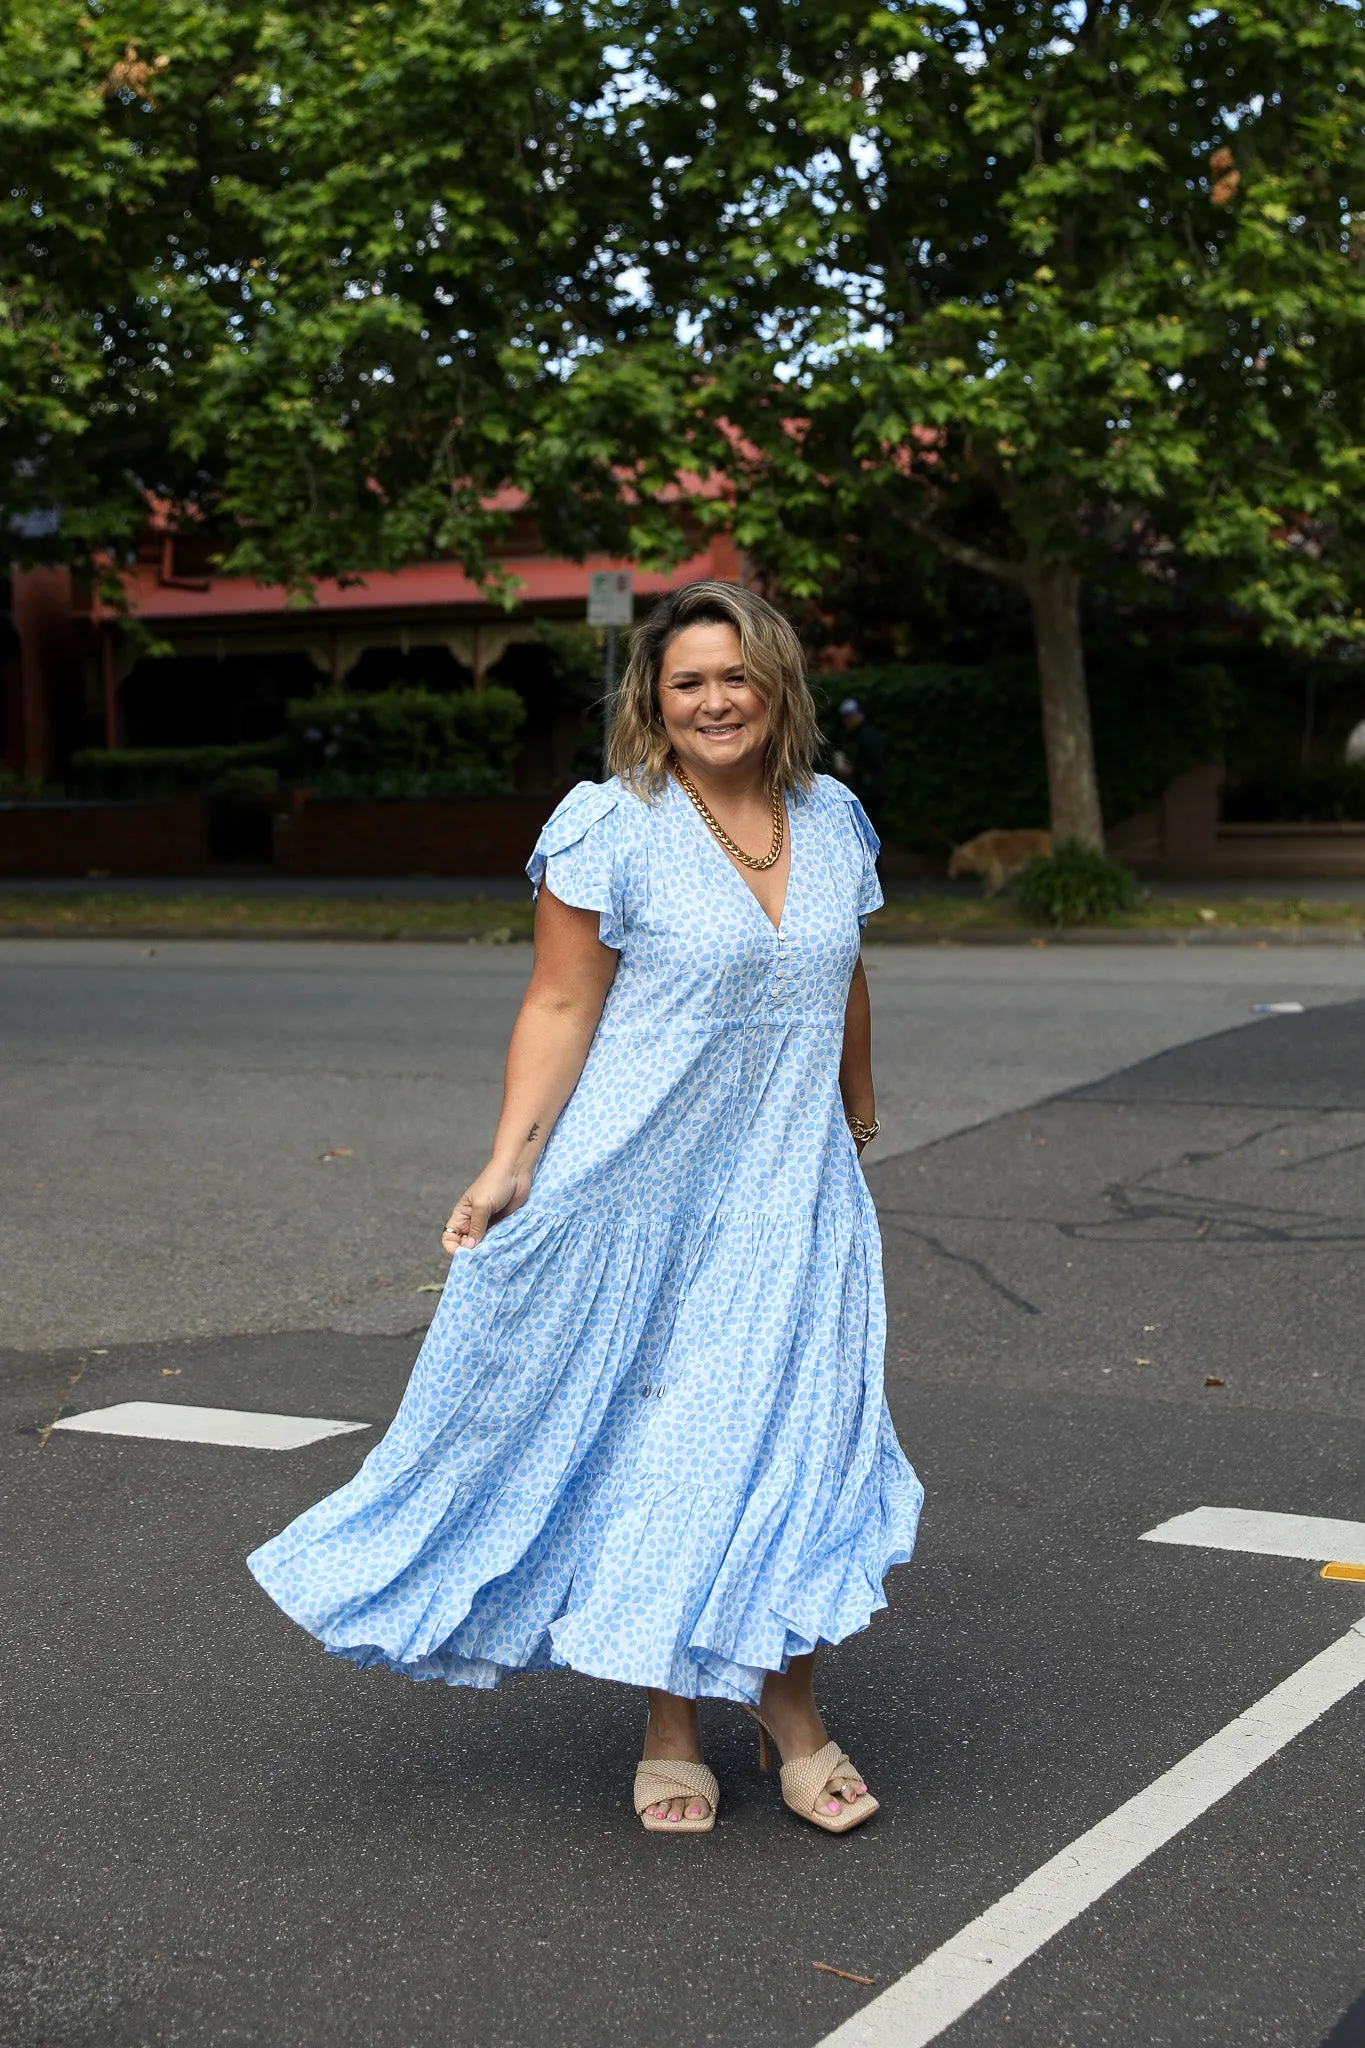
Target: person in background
{"x": 862, "y": 751}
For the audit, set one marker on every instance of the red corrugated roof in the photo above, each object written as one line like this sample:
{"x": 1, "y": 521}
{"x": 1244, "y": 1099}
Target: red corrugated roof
{"x": 425, "y": 586}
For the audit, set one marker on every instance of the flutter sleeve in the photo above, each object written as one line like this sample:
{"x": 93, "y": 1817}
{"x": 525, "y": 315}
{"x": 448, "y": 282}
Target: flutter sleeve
{"x": 866, "y": 846}
{"x": 580, "y": 855}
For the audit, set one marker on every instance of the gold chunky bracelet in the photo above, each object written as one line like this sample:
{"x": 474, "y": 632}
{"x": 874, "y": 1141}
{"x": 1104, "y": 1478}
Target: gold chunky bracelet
{"x": 864, "y": 1133}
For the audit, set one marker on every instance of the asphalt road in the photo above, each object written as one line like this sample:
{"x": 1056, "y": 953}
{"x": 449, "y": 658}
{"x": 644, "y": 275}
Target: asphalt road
{"x": 215, "y": 1835}
{"x": 171, "y": 1116}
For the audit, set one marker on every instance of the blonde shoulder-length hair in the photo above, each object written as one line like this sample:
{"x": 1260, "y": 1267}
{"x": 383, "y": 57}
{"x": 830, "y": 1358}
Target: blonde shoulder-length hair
{"x": 638, "y": 747}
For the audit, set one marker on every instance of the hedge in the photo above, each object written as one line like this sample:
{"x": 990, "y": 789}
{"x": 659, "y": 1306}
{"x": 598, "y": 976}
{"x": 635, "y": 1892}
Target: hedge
{"x": 964, "y": 746}
{"x": 393, "y": 743}
{"x": 148, "y": 772}
{"x": 407, "y": 742}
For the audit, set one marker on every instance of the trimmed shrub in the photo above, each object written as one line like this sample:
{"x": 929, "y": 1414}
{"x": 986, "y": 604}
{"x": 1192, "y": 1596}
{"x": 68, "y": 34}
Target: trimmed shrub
{"x": 1073, "y": 885}
{"x": 142, "y": 773}
{"x": 407, "y": 742}
{"x": 964, "y": 746}
{"x": 250, "y": 785}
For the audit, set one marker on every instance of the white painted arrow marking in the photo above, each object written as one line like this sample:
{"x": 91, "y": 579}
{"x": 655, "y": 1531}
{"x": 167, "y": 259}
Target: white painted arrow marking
{"x": 918, "y": 2007}
{"x": 177, "y": 1422}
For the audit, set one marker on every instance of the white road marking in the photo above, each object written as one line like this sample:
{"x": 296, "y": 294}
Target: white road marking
{"x": 919, "y": 2006}
{"x": 174, "y": 1422}
{"x": 1309, "y": 1536}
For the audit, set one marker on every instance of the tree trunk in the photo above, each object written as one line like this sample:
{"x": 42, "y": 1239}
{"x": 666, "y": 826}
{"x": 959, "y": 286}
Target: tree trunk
{"x": 1073, "y": 789}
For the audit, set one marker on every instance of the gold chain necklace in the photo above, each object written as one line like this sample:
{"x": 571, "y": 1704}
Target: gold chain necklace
{"x": 773, "y": 855}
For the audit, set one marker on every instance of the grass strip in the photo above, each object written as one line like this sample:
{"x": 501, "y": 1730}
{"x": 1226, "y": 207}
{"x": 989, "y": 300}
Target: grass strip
{"x": 475, "y": 917}
{"x": 949, "y": 916}
{"x": 498, "y": 921}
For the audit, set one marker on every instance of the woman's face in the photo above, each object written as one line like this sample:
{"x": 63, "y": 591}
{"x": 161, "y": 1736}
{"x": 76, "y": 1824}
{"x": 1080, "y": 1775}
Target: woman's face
{"x": 715, "y": 720}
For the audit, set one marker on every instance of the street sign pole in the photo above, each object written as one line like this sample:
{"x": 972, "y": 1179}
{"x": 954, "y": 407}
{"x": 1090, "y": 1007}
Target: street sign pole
{"x": 608, "y": 697}
{"x": 611, "y": 603}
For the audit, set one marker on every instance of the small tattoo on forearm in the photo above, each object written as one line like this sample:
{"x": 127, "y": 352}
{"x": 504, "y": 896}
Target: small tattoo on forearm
{"x": 531, "y": 1133}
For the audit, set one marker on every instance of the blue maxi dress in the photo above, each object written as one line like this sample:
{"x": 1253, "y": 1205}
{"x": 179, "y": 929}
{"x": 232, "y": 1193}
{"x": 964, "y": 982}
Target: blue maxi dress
{"x": 646, "y": 1434}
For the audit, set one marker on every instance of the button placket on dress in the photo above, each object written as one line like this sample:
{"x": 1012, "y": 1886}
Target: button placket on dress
{"x": 780, "y": 976}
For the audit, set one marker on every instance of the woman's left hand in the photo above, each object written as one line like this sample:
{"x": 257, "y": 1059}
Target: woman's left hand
{"x": 495, "y": 1194}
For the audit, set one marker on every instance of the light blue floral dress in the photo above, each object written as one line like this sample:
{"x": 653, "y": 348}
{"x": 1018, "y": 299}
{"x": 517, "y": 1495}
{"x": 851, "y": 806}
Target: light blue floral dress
{"x": 646, "y": 1434}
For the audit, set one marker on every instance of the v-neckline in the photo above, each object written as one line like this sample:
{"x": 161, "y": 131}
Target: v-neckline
{"x": 733, "y": 868}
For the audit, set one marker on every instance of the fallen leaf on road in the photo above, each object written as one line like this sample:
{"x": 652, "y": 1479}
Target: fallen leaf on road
{"x": 337, "y": 1152}
{"x": 432, "y": 1287}
{"x": 1212, "y": 1380}
{"x": 1142, "y": 1361}
{"x": 171, "y": 1372}
{"x": 849, "y": 1976}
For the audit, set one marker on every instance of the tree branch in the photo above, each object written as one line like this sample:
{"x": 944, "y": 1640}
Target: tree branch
{"x": 962, "y": 552}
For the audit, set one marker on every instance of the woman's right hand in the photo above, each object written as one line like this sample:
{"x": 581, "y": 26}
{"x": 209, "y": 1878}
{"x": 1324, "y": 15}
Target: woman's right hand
{"x": 495, "y": 1194}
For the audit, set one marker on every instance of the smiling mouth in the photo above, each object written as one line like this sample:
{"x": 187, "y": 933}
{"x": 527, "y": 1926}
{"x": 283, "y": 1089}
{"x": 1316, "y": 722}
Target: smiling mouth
{"x": 717, "y": 732}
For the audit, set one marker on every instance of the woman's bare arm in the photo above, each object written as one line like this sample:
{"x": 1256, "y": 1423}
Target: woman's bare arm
{"x": 855, "y": 1064}
{"x": 559, "y": 1014}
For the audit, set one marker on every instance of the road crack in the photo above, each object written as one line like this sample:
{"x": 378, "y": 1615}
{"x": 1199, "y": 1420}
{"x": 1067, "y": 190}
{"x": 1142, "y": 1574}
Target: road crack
{"x": 47, "y": 1428}
{"x": 977, "y": 1266}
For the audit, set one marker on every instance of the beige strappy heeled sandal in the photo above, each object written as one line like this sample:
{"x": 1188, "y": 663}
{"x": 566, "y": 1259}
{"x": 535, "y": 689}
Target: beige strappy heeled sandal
{"x": 804, "y": 1779}
{"x": 661, "y": 1778}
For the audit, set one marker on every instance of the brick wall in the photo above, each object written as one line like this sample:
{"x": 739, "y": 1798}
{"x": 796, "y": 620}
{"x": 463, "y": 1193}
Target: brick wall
{"x": 398, "y": 836}
{"x": 168, "y": 838}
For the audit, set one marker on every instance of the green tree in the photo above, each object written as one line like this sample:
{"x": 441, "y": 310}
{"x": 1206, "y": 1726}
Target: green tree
{"x": 302, "y": 271}
{"x": 1058, "y": 293}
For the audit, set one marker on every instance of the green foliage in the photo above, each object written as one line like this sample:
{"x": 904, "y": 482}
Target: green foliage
{"x": 1016, "y": 286}
{"x": 394, "y": 743}
{"x": 143, "y": 773}
{"x": 1036, "y": 288}
{"x": 407, "y": 742}
{"x": 577, "y": 658}
{"x": 964, "y": 747}
{"x": 1331, "y": 793}
{"x": 301, "y": 270}
{"x": 245, "y": 785}
{"x": 1074, "y": 884}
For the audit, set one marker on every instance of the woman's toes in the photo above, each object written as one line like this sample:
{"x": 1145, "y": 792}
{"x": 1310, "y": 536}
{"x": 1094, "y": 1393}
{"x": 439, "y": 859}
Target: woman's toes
{"x": 696, "y": 1811}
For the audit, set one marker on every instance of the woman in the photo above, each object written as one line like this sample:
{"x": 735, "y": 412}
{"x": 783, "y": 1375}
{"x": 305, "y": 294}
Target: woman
{"x": 646, "y": 1436}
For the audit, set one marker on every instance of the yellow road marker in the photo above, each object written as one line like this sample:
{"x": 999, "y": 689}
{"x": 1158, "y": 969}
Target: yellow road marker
{"x": 1342, "y": 1571}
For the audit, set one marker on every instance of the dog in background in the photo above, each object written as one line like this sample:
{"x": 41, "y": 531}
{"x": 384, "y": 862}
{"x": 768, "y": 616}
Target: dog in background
{"x": 996, "y": 856}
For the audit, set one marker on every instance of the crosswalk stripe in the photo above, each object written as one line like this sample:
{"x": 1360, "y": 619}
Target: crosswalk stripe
{"x": 178, "y": 1422}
